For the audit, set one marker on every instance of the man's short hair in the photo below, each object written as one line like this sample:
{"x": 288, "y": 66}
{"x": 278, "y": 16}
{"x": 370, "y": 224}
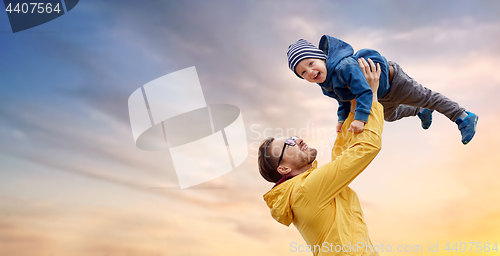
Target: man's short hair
{"x": 268, "y": 162}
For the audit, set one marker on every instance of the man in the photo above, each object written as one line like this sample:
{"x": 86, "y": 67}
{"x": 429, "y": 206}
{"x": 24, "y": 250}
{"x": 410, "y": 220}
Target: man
{"x": 318, "y": 201}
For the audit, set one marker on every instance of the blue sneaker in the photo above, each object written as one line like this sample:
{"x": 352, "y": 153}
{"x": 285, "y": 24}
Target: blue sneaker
{"x": 426, "y": 118}
{"x": 467, "y": 126}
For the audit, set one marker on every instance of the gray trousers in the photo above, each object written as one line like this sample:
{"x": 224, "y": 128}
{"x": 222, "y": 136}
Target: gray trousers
{"x": 407, "y": 98}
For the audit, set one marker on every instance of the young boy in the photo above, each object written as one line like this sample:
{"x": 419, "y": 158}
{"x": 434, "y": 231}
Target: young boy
{"x": 334, "y": 67}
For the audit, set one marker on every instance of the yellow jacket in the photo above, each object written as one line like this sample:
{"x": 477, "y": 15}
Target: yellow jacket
{"x": 319, "y": 202}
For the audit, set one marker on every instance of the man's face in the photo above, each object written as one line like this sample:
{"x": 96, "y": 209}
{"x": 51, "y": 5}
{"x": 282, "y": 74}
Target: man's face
{"x": 312, "y": 70}
{"x": 296, "y": 156}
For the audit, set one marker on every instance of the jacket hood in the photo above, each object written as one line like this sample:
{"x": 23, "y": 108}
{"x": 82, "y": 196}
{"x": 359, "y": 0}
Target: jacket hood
{"x": 335, "y": 50}
{"x": 278, "y": 199}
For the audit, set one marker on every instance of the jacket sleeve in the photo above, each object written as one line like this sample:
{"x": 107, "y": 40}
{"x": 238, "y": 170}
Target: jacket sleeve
{"x": 344, "y": 109}
{"x": 351, "y": 75}
{"x": 344, "y": 106}
{"x": 324, "y": 183}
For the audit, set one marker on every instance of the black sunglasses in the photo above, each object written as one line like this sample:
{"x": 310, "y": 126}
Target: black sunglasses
{"x": 290, "y": 142}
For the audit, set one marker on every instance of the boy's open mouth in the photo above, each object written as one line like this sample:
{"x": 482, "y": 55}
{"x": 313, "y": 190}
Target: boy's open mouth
{"x": 317, "y": 75}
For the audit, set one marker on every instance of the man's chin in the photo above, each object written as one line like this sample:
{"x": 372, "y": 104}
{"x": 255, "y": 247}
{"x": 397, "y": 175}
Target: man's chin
{"x": 312, "y": 155}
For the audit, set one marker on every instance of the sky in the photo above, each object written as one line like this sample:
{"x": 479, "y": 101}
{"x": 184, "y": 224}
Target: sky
{"x": 72, "y": 182}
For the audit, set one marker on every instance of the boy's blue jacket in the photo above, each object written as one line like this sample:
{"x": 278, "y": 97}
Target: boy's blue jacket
{"x": 345, "y": 80}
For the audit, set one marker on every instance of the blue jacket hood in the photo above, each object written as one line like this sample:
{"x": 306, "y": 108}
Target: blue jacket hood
{"x": 336, "y": 50}
{"x": 345, "y": 80}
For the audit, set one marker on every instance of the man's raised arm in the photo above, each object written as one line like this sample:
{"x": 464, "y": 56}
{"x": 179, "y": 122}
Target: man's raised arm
{"x": 328, "y": 180}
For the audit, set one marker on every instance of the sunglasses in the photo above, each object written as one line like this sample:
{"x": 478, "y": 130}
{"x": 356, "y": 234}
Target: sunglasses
{"x": 289, "y": 142}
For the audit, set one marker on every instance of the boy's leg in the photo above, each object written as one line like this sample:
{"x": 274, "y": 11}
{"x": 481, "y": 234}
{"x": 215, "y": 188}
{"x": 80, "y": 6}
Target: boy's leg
{"x": 393, "y": 112}
{"x": 406, "y": 91}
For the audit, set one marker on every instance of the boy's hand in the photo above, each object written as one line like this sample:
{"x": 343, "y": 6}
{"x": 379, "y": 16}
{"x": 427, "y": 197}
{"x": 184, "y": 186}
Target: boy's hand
{"x": 339, "y": 126}
{"x": 356, "y": 126}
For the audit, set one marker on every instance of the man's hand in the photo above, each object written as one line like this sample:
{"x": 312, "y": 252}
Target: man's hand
{"x": 372, "y": 75}
{"x": 339, "y": 126}
{"x": 356, "y": 126}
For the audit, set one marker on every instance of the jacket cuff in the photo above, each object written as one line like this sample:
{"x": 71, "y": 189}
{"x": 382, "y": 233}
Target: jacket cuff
{"x": 343, "y": 117}
{"x": 361, "y": 116}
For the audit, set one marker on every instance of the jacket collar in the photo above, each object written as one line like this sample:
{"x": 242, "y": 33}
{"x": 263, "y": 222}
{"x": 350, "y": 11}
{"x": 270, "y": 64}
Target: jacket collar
{"x": 284, "y": 178}
{"x": 289, "y": 176}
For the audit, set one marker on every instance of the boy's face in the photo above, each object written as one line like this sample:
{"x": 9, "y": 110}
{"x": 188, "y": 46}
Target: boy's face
{"x": 312, "y": 70}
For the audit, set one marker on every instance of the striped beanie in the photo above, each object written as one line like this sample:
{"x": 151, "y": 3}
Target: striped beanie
{"x": 300, "y": 50}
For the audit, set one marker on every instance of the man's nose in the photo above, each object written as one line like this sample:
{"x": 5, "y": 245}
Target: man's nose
{"x": 299, "y": 141}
